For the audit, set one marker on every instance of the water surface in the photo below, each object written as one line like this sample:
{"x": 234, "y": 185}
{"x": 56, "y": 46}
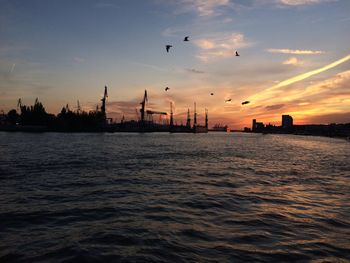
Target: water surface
{"x": 213, "y": 197}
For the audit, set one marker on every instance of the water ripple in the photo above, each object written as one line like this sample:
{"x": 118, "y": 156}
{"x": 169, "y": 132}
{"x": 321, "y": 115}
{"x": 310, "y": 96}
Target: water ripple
{"x": 173, "y": 198}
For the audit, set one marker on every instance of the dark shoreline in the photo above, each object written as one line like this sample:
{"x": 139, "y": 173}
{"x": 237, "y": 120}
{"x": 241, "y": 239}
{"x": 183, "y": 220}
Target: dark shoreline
{"x": 302, "y": 134}
{"x": 106, "y": 129}
{"x": 44, "y": 129}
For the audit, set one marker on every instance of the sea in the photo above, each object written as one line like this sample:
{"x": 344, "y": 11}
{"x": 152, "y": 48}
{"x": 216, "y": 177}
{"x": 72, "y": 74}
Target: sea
{"x": 160, "y": 197}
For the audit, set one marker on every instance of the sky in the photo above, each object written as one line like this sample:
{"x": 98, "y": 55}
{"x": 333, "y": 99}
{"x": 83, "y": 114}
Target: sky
{"x": 294, "y": 57}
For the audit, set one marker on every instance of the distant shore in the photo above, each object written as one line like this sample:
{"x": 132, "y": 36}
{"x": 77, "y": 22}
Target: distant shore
{"x": 42, "y": 129}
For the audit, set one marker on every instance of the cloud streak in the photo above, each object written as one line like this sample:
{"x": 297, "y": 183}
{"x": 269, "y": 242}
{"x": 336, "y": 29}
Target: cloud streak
{"x": 271, "y": 92}
{"x": 295, "y": 51}
{"x": 150, "y": 66}
{"x": 310, "y": 73}
{"x": 301, "y": 2}
{"x": 274, "y": 107}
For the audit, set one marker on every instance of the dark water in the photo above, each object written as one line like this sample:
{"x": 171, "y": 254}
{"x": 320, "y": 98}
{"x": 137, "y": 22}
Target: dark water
{"x": 173, "y": 198}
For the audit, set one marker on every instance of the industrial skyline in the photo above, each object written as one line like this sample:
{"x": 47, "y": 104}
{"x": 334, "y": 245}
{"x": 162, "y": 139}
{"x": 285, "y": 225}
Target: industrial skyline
{"x": 294, "y": 57}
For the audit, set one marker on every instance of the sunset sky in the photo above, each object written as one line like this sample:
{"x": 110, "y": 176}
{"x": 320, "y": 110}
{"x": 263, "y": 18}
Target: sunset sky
{"x": 294, "y": 57}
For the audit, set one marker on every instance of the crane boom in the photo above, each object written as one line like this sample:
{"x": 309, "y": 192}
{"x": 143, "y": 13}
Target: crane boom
{"x": 156, "y": 112}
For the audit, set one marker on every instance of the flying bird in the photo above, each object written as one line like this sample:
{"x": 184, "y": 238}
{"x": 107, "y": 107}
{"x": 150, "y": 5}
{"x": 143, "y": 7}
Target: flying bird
{"x": 237, "y": 55}
{"x": 245, "y": 102}
{"x": 186, "y": 38}
{"x": 228, "y": 100}
{"x": 166, "y": 89}
{"x": 168, "y": 47}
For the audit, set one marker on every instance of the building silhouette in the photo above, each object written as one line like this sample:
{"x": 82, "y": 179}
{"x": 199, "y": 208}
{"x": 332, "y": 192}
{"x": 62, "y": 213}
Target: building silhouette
{"x": 257, "y": 126}
{"x": 287, "y": 122}
{"x": 287, "y": 127}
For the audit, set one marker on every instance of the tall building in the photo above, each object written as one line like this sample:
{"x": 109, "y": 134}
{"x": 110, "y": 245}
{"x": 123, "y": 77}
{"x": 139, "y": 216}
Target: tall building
{"x": 254, "y": 125}
{"x": 287, "y": 121}
{"x": 257, "y": 126}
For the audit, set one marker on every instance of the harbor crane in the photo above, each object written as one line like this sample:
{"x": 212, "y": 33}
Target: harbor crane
{"x": 103, "y": 106}
{"x": 151, "y": 112}
{"x": 143, "y": 106}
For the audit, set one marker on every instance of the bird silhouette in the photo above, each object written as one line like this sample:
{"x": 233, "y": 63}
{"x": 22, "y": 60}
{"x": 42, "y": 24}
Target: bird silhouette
{"x": 168, "y": 47}
{"x": 237, "y": 55}
{"x": 228, "y": 100}
{"x": 186, "y": 38}
{"x": 245, "y": 102}
{"x": 212, "y": 93}
{"x": 166, "y": 89}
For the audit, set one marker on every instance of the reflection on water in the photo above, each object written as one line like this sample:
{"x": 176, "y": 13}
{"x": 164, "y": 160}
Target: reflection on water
{"x": 173, "y": 197}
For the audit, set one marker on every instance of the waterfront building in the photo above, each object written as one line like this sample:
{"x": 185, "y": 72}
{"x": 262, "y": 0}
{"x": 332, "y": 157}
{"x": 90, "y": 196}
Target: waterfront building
{"x": 287, "y": 121}
{"x": 257, "y": 126}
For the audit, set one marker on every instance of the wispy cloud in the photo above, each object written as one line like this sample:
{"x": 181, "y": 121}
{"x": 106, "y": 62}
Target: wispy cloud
{"x": 343, "y": 117}
{"x": 214, "y": 8}
{"x": 344, "y": 19}
{"x": 196, "y": 71}
{"x": 293, "y": 61}
{"x": 220, "y": 46}
{"x": 8, "y": 51}
{"x": 274, "y": 107}
{"x": 173, "y": 32}
{"x": 148, "y": 66}
{"x": 203, "y": 8}
{"x": 301, "y": 2}
{"x": 295, "y": 51}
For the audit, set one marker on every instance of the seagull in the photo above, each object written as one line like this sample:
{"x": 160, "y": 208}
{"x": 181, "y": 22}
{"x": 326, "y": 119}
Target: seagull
{"x": 229, "y": 100}
{"x": 212, "y": 93}
{"x": 168, "y": 47}
{"x": 245, "y": 102}
{"x": 166, "y": 89}
{"x": 237, "y": 55}
{"x": 186, "y": 38}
